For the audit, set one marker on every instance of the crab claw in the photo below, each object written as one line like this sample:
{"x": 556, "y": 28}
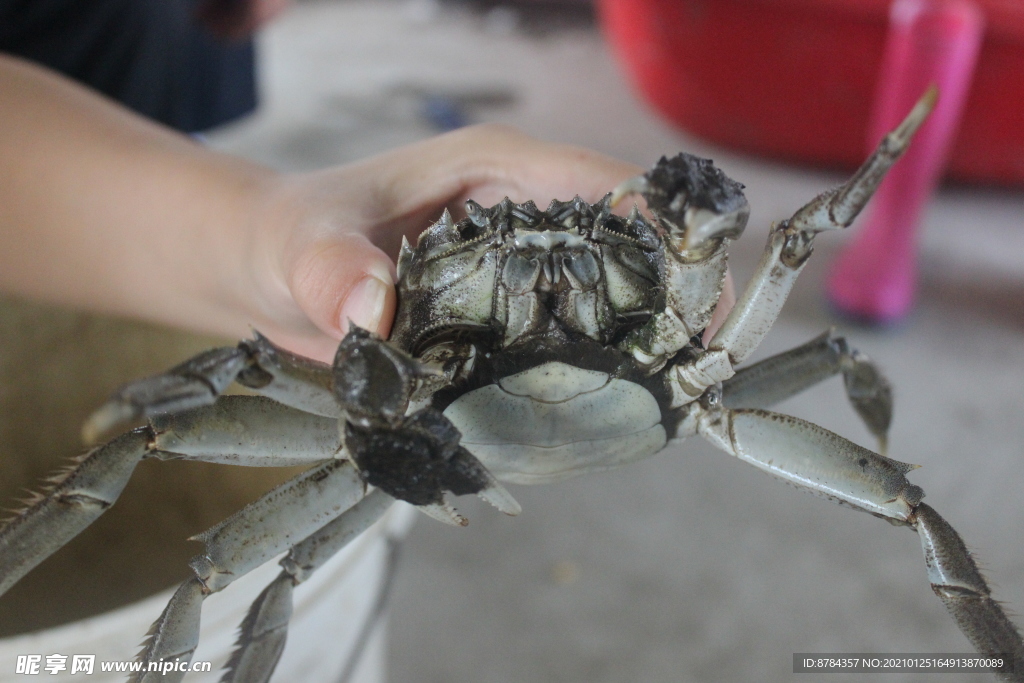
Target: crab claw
{"x": 702, "y": 225}
{"x": 373, "y": 381}
{"x": 692, "y": 199}
{"x": 443, "y": 512}
{"x": 635, "y": 185}
{"x": 495, "y": 494}
{"x": 498, "y": 496}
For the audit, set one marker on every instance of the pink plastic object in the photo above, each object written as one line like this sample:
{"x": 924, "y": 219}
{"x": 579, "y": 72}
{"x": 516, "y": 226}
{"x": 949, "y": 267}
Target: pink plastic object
{"x": 930, "y": 42}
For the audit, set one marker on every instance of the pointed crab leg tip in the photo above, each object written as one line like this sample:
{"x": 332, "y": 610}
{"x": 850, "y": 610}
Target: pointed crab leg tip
{"x": 443, "y": 512}
{"x": 259, "y": 337}
{"x": 917, "y": 116}
{"x": 500, "y": 498}
{"x": 931, "y": 96}
{"x": 635, "y": 185}
{"x": 108, "y": 416}
{"x": 90, "y": 434}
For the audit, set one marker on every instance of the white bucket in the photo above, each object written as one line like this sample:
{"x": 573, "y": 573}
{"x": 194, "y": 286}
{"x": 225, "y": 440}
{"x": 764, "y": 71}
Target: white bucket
{"x": 331, "y": 609}
{"x": 56, "y": 366}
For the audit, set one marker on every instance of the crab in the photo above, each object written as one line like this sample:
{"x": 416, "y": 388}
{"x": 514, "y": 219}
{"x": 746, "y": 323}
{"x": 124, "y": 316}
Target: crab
{"x": 529, "y": 346}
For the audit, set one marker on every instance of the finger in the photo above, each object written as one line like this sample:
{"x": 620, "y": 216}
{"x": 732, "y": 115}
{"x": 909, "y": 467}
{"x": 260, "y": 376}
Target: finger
{"x": 344, "y": 280}
{"x": 486, "y": 163}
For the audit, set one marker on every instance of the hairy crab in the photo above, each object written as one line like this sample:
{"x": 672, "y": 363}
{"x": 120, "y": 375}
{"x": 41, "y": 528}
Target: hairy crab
{"x": 529, "y": 346}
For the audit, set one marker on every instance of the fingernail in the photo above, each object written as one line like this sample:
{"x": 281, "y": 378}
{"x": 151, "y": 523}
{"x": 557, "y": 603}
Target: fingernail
{"x": 365, "y": 304}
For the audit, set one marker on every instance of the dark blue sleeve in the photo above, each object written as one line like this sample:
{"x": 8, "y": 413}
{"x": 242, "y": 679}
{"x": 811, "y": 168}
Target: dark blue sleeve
{"x": 148, "y": 54}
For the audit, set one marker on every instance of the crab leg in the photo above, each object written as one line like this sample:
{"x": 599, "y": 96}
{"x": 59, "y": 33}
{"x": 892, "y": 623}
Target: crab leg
{"x": 240, "y": 430}
{"x": 76, "y": 500}
{"x": 244, "y": 541}
{"x": 245, "y": 430}
{"x": 263, "y": 632}
{"x": 791, "y": 242}
{"x": 255, "y": 363}
{"x": 828, "y": 465}
{"x": 958, "y": 583}
{"x": 175, "y": 633}
{"x": 786, "y": 374}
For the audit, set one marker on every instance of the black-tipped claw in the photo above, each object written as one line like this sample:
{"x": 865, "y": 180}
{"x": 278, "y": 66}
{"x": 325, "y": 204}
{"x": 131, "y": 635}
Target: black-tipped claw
{"x": 373, "y": 381}
{"x": 419, "y": 460}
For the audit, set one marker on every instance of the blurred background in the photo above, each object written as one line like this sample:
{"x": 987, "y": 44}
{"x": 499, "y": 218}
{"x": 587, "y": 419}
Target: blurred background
{"x": 690, "y": 566}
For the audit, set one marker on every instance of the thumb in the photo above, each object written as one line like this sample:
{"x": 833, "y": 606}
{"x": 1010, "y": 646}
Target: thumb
{"x": 345, "y": 278}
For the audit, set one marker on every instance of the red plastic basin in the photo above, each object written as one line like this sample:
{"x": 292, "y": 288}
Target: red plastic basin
{"x": 795, "y": 78}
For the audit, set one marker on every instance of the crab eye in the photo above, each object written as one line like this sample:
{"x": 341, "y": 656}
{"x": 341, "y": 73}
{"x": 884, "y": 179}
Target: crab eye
{"x": 477, "y": 215}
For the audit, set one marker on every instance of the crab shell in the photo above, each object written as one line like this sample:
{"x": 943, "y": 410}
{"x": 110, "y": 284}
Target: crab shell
{"x": 535, "y": 307}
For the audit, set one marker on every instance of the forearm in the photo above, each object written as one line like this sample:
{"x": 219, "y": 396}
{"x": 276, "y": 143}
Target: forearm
{"x": 104, "y": 210}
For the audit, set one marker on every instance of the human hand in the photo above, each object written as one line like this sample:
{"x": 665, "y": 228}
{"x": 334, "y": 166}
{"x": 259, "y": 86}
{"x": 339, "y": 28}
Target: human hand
{"x": 106, "y": 211}
{"x": 323, "y": 251}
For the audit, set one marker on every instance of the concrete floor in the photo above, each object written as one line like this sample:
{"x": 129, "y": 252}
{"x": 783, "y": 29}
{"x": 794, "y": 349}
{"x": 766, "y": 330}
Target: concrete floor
{"x": 690, "y": 566}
